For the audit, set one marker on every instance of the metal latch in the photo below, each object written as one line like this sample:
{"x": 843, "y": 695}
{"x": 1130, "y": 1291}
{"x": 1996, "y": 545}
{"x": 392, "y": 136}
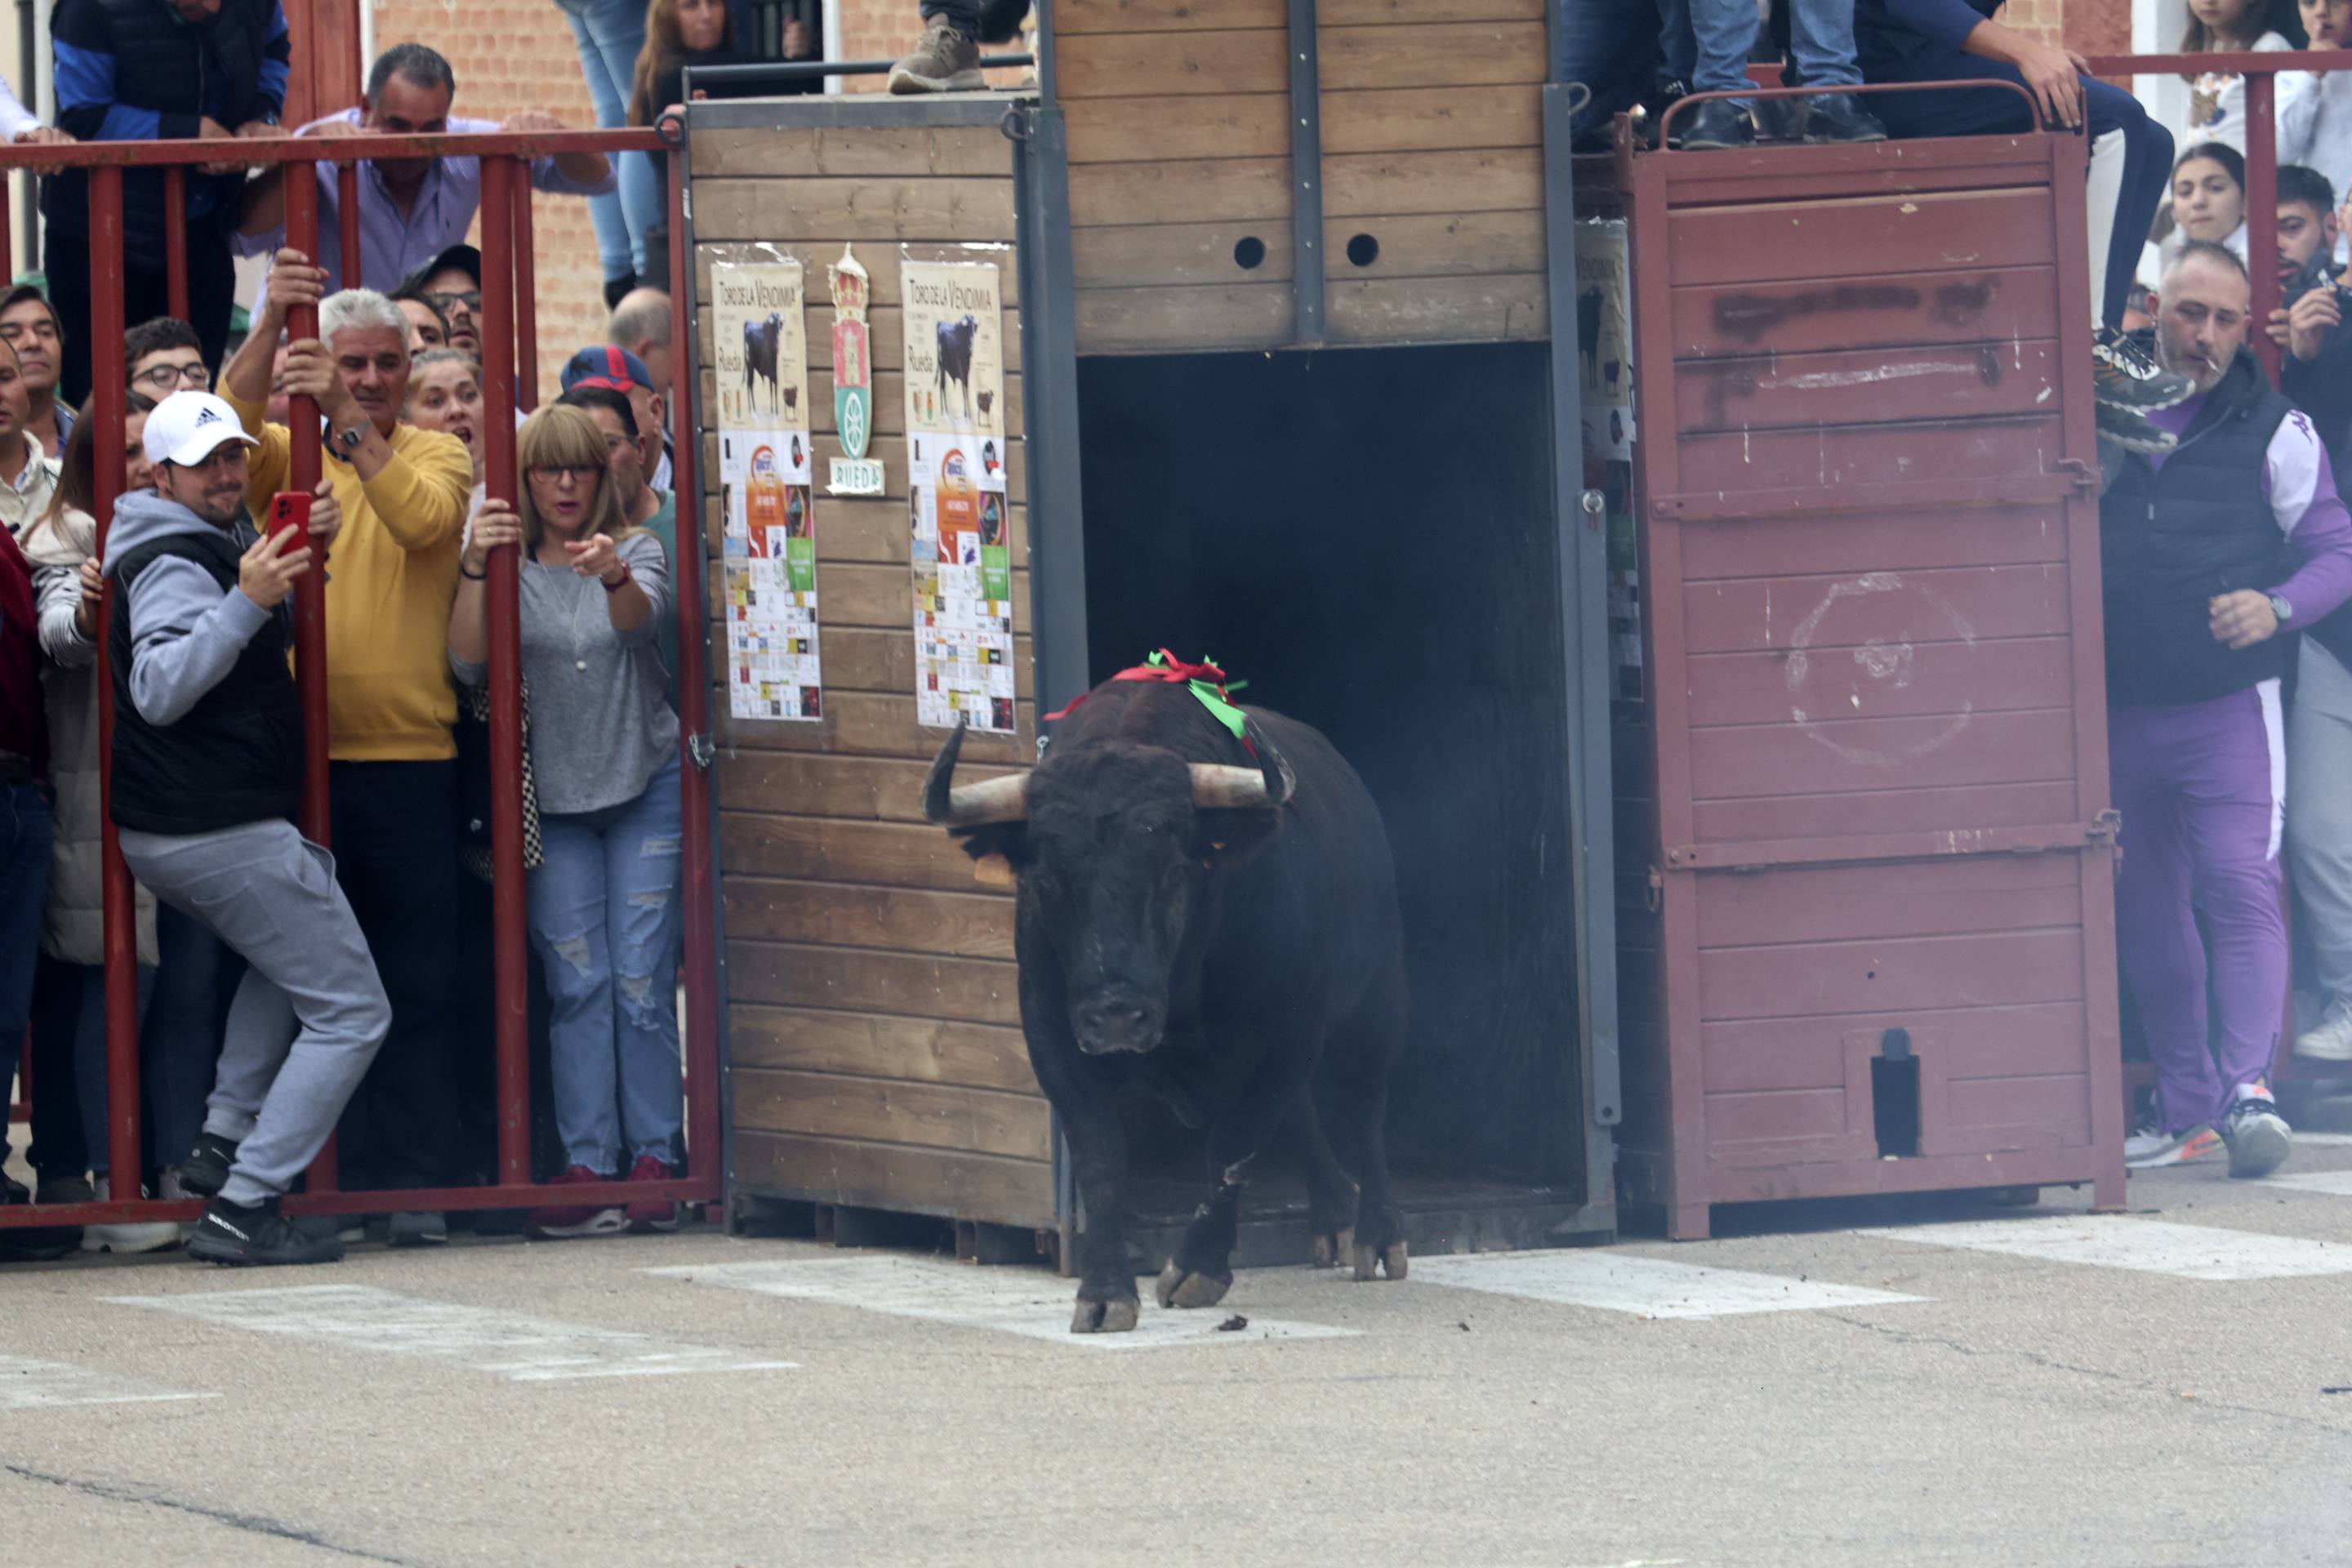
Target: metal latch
{"x": 2106, "y": 826}
{"x": 1657, "y": 895}
{"x": 701, "y": 751}
{"x": 2086, "y": 476}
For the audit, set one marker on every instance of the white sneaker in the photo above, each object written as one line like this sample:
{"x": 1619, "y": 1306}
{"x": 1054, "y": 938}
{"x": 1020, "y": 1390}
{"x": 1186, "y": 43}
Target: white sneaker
{"x": 2330, "y": 1039}
{"x": 145, "y": 1235}
{"x": 2258, "y": 1136}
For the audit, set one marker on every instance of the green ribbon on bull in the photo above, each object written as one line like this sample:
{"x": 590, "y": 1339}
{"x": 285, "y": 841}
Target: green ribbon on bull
{"x": 1211, "y": 694}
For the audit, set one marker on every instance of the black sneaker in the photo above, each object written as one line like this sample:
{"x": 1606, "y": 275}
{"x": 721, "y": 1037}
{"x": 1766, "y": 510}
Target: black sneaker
{"x": 2126, "y": 377}
{"x": 241, "y": 1236}
{"x": 206, "y": 1170}
{"x": 1840, "y": 116}
{"x": 2131, "y": 430}
{"x": 33, "y": 1243}
{"x": 2258, "y": 1136}
{"x": 1718, "y": 125}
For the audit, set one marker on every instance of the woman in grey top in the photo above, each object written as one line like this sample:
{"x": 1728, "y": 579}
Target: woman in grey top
{"x": 603, "y": 909}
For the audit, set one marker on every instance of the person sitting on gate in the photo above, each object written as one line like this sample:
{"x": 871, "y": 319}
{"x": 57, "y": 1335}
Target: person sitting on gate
{"x": 393, "y": 767}
{"x": 2212, "y": 553}
{"x": 410, "y": 209}
{"x": 161, "y": 356}
{"x": 604, "y": 905}
{"x": 630, "y": 448}
{"x": 206, "y": 777}
{"x": 947, "y": 58}
{"x": 624, "y": 372}
{"x": 29, "y": 324}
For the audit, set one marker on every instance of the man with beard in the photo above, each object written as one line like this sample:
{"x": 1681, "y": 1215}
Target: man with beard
{"x": 2209, "y": 553}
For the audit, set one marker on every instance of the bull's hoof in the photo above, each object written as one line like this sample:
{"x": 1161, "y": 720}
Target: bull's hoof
{"x": 1105, "y": 1317}
{"x": 1333, "y": 1249}
{"x": 1372, "y": 1261}
{"x": 1181, "y": 1287}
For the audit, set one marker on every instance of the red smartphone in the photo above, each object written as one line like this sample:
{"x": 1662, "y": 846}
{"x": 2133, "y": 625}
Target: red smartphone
{"x": 289, "y": 511}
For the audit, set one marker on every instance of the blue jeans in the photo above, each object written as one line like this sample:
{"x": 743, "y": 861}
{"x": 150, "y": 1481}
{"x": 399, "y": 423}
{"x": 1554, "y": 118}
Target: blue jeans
{"x": 25, "y": 845}
{"x": 605, "y": 917}
{"x": 1821, "y": 39}
{"x": 1610, "y": 45}
{"x": 196, "y": 978}
{"x": 610, "y": 34}
{"x": 70, "y": 1114}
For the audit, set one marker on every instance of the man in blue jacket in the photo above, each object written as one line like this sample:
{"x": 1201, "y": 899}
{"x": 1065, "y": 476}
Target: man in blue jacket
{"x": 159, "y": 70}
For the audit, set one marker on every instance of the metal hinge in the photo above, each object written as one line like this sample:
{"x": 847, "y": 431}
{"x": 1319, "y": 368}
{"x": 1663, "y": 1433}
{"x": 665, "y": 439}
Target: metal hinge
{"x": 2085, "y": 475}
{"x": 1657, "y": 895}
{"x": 2106, "y": 826}
{"x": 1016, "y": 124}
{"x": 701, "y": 751}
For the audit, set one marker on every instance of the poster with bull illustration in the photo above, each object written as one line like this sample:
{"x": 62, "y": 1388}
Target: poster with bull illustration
{"x": 765, "y": 459}
{"x": 956, "y": 457}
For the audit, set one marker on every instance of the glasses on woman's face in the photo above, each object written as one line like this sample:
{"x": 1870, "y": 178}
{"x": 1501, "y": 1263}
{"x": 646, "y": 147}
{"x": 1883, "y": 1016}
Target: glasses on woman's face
{"x": 167, "y": 379}
{"x": 556, "y": 473}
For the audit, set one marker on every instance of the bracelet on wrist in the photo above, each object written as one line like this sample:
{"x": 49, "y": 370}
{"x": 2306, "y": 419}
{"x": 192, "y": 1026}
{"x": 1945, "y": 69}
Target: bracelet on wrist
{"x": 625, "y": 578}
{"x": 482, "y": 576}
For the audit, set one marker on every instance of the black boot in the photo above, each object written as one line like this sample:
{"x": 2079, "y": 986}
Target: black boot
{"x": 1840, "y": 116}
{"x": 1720, "y": 125}
{"x": 616, "y": 288}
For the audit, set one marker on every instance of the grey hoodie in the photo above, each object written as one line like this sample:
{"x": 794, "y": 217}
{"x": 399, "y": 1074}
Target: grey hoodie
{"x": 185, "y": 634}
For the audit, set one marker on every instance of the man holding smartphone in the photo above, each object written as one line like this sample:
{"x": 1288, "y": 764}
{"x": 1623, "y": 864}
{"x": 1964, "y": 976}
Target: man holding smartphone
{"x": 207, "y": 778}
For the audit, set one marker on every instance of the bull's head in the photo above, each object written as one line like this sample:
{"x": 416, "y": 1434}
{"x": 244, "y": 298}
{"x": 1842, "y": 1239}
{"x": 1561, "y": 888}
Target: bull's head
{"x": 1115, "y": 844}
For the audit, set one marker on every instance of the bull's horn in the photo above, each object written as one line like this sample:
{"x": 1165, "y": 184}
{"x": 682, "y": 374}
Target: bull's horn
{"x": 997, "y": 800}
{"x": 1220, "y": 785}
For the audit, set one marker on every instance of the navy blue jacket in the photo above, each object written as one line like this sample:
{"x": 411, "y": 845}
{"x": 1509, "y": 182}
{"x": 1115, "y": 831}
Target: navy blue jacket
{"x": 1905, "y": 29}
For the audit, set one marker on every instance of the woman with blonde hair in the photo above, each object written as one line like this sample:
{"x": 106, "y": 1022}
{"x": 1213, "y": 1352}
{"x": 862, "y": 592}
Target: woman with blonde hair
{"x": 603, "y": 907}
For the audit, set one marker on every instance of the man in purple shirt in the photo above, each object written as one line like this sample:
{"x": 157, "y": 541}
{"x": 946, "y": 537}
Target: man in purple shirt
{"x": 2211, "y": 554}
{"x": 410, "y": 209}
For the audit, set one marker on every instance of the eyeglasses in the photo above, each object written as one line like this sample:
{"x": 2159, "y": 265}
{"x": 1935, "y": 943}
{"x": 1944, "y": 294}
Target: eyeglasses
{"x": 164, "y": 378}
{"x": 472, "y": 301}
{"x": 555, "y": 473}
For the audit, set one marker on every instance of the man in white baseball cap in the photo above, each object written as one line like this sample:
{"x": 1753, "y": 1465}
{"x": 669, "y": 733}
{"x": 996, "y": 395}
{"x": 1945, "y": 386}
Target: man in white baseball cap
{"x": 207, "y": 778}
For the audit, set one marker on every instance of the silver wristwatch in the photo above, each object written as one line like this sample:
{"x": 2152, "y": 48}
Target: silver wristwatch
{"x": 348, "y": 440}
{"x": 2282, "y": 609}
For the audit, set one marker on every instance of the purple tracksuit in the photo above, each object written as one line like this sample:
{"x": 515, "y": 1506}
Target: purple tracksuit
{"x": 2202, "y": 789}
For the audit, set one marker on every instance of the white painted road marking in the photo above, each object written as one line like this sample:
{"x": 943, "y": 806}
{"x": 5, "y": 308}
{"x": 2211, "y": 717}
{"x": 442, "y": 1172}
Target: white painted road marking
{"x": 2324, "y": 1140}
{"x": 1033, "y": 1305}
{"x": 2337, "y": 1182}
{"x": 29, "y": 1384}
{"x": 1647, "y": 1287}
{"x": 523, "y": 1349}
{"x": 2147, "y": 1245}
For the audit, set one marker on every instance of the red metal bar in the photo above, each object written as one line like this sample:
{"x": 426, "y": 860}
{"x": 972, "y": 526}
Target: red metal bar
{"x": 703, "y": 1135}
{"x": 106, "y": 329}
{"x": 679, "y": 1189}
{"x": 347, "y": 223}
{"x": 50, "y": 158}
{"x": 525, "y": 294}
{"x": 2261, "y": 205}
{"x": 310, "y": 589}
{"x": 506, "y": 941}
{"x": 8, "y": 230}
{"x": 175, "y": 240}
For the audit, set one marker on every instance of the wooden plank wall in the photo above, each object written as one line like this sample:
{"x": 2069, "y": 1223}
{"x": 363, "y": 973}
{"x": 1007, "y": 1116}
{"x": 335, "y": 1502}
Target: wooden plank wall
{"x": 873, "y": 1024}
{"x": 1180, "y": 172}
{"x": 1433, "y": 151}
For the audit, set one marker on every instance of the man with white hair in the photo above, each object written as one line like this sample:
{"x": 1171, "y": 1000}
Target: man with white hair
{"x": 2212, "y": 555}
{"x": 641, "y": 324}
{"x": 392, "y": 769}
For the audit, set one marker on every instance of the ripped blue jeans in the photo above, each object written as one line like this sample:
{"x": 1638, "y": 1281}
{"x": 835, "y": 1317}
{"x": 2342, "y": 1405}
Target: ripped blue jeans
{"x": 606, "y": 918}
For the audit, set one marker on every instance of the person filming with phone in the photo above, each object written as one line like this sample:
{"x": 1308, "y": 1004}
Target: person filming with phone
{"x": 207, "y": 777}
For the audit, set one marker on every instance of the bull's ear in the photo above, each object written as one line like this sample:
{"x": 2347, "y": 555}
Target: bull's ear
{"x": 1228, "y": 838}
{"x": 1004, "y": 843}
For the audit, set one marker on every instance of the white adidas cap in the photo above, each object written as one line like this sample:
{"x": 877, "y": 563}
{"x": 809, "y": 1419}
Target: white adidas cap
{"x": 188, "y": 427}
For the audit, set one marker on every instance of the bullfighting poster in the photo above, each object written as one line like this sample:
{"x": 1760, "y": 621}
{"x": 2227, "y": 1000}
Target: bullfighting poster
{"x": 956, "y": 458}
{"x": 1604, "y": 338}
{"x": 765, "y": 461}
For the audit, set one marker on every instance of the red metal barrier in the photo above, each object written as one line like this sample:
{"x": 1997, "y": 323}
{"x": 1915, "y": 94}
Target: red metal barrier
{"x": 508, "y": 323}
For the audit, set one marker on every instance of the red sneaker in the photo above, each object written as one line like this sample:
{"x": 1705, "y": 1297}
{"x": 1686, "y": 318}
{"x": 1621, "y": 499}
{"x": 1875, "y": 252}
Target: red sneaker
{"x": 651, "y": 1214}
{"x": 556, "y": 1221}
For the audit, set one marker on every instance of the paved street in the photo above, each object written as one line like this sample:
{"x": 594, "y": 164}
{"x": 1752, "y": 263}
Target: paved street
{"x": 1924, "y": 1383}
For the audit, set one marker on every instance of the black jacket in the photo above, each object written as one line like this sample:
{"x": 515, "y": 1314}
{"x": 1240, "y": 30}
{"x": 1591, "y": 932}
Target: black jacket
{"x": 236, "y": 756}
{"x": 2170, "y": 538}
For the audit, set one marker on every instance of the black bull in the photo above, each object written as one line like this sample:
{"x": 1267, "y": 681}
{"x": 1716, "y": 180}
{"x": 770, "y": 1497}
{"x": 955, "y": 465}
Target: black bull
{"x": 1212, "y": 927}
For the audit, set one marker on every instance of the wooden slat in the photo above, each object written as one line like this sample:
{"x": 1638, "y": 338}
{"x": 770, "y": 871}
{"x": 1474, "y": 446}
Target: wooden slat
{"x": 888, "y": 404}
{"x": 854, "y": 788}
{"x": 1870, "y": 455}
{"x": 883, "y": 596}
{"x": 1148, "y": 130}
{"x": 1189, "y": 190}
{"x": 1157, "y": 255}
{"x": 1866, "y": 386}
{"x": 898, "y": 1177}
{"x": 1876, "y": 237}
{"x": 1113, "y": 65}
{"x": 1369, "y": 13}
{"x": 880, "y": 260}
{"x": 861, "y": 151}
{"x": 1919, "y": 606}
{"x": 919, "y": 1050}
{"x": 1779, "y": 1053}
{"x": 1439, "y": 309}
{"x": 1896, "y": 975}
{"x": 1075, "y": 17}
{"x": 974, "y": 990}
{"x": 1878, "y": 681}
{"x": 871, "y": 533}
{"x": 863, "y": 659}
{"x": 1478, "y": 180}
{"x": 1439, "y": 245}
{"x": 938, "y": 1116}
{"x": 1866, "y": 755}
{"x": 1830, "y": 814}
{"x": 905, "y": 919}
{"x": 1976, "y": 305}
{"x": 1794, "y": 908}
{"x": 868, "y": 724}
{"x": 1893, "y": 542}
{"x": 869, "y": 209}
{"x": 1140, "y": 321}
{"x": 876, "y": 854}
{"x": 1464, "y": 54}
{"x": 1425, "y": 119}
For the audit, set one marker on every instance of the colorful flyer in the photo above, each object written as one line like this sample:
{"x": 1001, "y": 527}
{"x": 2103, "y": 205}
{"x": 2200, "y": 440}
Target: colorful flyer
{"x": 853, "y": 473}
{"x": 1604, "y": 338}
{"x": 957, "y": 464}
{"x": 768, "y": 502}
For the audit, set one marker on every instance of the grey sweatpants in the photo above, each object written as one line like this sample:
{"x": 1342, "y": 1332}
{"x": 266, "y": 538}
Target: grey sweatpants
{"x": 2319, "y": 811}
{"x": 272, "y": 896}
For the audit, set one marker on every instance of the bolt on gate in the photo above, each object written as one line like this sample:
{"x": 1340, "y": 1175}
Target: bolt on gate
{"x": 509, "y": 381}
